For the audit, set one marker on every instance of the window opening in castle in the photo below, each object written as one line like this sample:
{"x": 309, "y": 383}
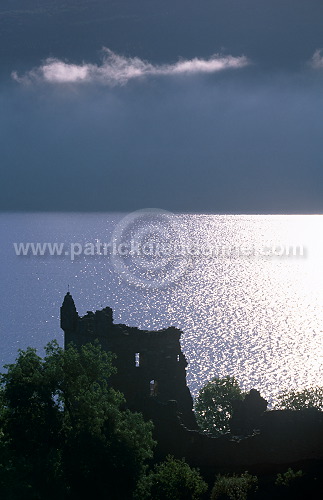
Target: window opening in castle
{"x": 137, "y": 359}
{"x": 153, "y": 387}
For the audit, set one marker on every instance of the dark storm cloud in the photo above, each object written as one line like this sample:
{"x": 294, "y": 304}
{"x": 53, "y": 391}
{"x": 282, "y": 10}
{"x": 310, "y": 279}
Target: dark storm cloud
{"x": 234, "y": 141}
{"x": 160, "y": 122}
{"x": 274, "y": 33}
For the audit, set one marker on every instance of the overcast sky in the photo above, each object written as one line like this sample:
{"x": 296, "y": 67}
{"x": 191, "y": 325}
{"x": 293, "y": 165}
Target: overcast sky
{"x": 190, "y": 106}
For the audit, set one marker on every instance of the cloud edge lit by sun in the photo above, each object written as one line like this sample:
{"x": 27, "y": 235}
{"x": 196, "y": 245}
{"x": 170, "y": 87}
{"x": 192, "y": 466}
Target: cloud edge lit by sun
{"x": 119, "y": 70}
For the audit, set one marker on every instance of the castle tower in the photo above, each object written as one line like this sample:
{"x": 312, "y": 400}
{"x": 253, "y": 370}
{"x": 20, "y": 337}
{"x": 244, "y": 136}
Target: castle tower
{"x": 151, "y": 366}
{"x": 69, "y": 318}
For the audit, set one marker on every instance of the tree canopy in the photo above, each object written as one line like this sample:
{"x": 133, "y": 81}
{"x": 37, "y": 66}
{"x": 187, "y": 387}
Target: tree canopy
{"x": 172, "y": 479}
{"x": 234, "y": 487}
{"x": 311, "y": 397}
{"x": 64, "y": 431}
{"x": 213, "y": 405}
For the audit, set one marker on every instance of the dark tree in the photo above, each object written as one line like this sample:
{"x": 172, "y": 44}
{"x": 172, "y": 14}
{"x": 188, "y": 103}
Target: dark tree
{"x": 311, "y": 397}
{"x": 64, "y": 430}
{"x": 172, "y": 480}
{"x": 214, "y": 404}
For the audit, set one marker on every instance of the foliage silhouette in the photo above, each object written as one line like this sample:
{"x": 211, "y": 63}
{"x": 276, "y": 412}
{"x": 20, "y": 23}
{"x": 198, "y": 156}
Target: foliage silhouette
{"x": 311, "y": 397}
{"x": 234, "y": 487}
{"x": 64, "y": 430}
{"x": 213, "y": 405}
{"x": 172, "y": 480}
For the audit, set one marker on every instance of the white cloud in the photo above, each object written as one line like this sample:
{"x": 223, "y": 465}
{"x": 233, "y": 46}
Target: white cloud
{"x": 317, "y": 59}
{"x": 118, "y": 70}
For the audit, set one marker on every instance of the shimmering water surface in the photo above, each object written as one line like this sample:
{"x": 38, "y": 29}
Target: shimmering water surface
{"x": 258, "y": 317}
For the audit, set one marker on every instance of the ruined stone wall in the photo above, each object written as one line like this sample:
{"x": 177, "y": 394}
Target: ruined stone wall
{"x": 149, "y": 363}
{"x": 282, "y": 438}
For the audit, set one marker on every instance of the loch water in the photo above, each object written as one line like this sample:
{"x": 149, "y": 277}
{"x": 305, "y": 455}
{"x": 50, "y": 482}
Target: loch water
{"x": 246, "y": 290}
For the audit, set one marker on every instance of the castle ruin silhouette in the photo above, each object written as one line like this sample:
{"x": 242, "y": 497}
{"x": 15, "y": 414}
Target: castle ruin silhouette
{"x": 151, "y": 373}
{"x": 150, "y": 364}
